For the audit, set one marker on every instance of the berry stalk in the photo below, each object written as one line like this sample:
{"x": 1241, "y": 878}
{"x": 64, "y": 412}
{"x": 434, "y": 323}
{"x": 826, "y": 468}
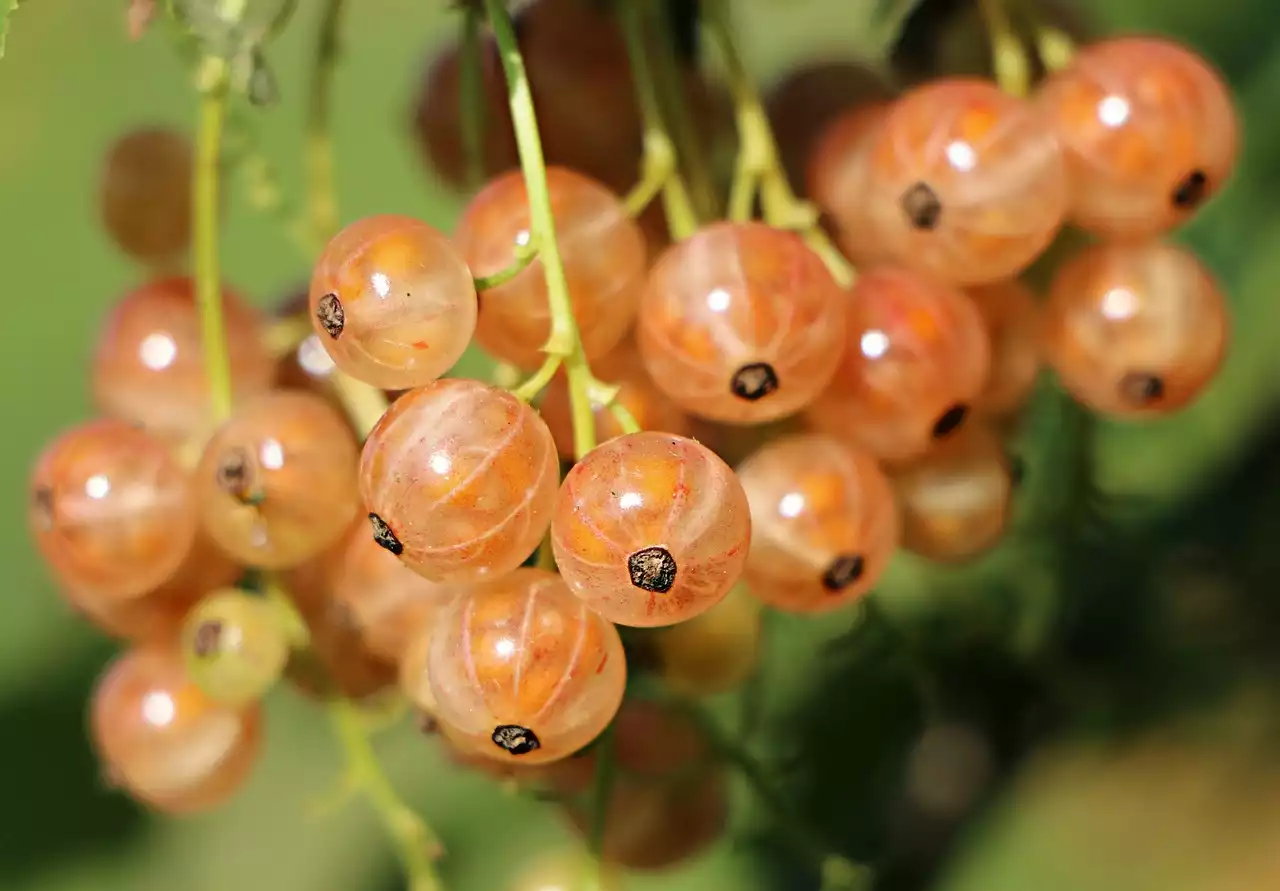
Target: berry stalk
{"x": 471, "y": 100}
{"x": 322, "y": 203}
{"x": 1008, "y": 56}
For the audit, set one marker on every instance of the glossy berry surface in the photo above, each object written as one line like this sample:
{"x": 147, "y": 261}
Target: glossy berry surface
{"x": 967, "y": 183}
{"x": 955, "y": 501}
{"x": 1011, "y": 315}
{"x": 393, "y": 302}
{"x": 823, "y": 523}
{"x": 836, "y": 179}
{"x": 163, "y": 741}
{"x": 235, "y": 646}
{"x": 918, "y": 357}
{"x": 651, "y": 529}
{"x": 112, "y": 513}
{"x": 713, "y": 652}
{"x": 521, "y": 669}
{"x": 742, "y": 323}
{"x": 145, "y": 194}
{"x": 277, "y": 481}
{"x": 1149, "y": 132}
{"x": 148, "y": 365}
{"x": 459, "y": 479}
{"x": 1135, "y": 329}
{"x": 604, "y": 258}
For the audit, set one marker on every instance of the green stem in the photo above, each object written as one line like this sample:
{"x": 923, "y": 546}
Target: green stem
{"x": 471, "y": 96}
{"x": 205, "y": 224}
{"x": 525, "y": 255}
{"x": 538, "y": 381}
{"x": 323, "y": 202}
{"x": 1008, "y": 55}
{"x": 601, "y": 793}
{"x": 280, "y": 21}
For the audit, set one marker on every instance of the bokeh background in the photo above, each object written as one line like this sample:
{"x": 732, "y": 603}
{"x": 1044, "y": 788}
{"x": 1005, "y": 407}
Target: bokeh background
{"x": 1091, "y": 706}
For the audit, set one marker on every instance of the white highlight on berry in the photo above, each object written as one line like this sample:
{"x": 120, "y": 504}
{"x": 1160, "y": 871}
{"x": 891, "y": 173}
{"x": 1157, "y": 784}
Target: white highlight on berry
{"x": 381, "y": 283}
{"x": 874, "y": 344}
{"x": 158, "y": 350}
{"x": 440, "y": 462}
{"x": 791, "y": 504}
{"x": 314, "y": 358}
{"x": 630, "y": 500}
{"x": 271, "y": 454}
{"x": 1113, "y": 111}
{"x": 961, "y": 155}
{"x": 97, "y": 486}
{"x": 1119, "y": 304}
{"x": 719, "y": 300}
{"x": 158, "y": 708}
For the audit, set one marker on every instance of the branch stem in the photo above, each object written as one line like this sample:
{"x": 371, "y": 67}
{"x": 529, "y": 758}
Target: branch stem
{"x": 205, "y": 225}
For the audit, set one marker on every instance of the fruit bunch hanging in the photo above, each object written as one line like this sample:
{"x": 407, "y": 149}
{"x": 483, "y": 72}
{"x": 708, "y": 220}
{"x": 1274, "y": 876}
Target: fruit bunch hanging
{"x": 713, "y": 398}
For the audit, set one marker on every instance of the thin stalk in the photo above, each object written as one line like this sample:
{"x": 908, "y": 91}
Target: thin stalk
{"x": 471, "y": 96}
{"x": 1008, "y": 55}
{"x": 322, "y": 203}
{"x": 538, "y": 381}
{"x": 602, "y": 790}
{"x": 205, "y": 226}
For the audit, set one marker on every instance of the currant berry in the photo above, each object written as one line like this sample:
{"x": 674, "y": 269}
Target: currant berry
{"x": 714, "y": 652}
{"x": 1011, "y": 316}
{"x": 604, "y": 261}
{"x": 823, "y": 523}
{"x": 148, "y": 365}
{"x": 564, "y": 871}
{"x": 836, "y": 179}
{"x": 965, "y": 183}
{"x": 1149, "y": 132}
{"x": 917, "y": 359}
{"x": 524, "y": 670}
{"x": 111, "y": 512}
{"x": 235, "y": 647}
{"x": 145, "y": 194}
{"x": 393, "y": 302}
{"x": 413, "y": 663}
{"x": 460, "y": 480}
{"x": 165, "y": 742}
{"x": 651, "y": 529}
{"x": 742, "y": 323}
{"x": 955, "y": 501}
{"x": 277, "y": 482}
{"x": 1136, "y": 329}
{"x": 308, "y": 366}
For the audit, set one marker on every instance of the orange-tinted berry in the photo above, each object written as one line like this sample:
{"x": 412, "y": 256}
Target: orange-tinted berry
{"x": 742, "y": 323}
{"x": 1135, "y": 329}
{"x": 460, "y": 480}
{"x": 1011, "y": 315}
{"x": 145, "y": 194}
{"x": 148, "y": 365}
{"x": 524, "y": 670}
{"x": 955, "y": 501}
{"x": 917, "y": 358}
{"x": 823, "y": 523}
{"x": 277, "y": 481}
{"x": 837, "y": 174}
{"x": 604, "y": 260}
{"x": 714, "y": 652}
{"x": 651, "y": 529}
{"x": 966, "y": 182}
{"x": 112, "y": 513}
{"x": 165, "y": 742}
{"x": 1148, "y": 130}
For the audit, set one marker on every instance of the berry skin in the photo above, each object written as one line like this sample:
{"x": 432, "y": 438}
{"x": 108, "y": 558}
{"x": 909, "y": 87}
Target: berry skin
{"x": 163, "y": 741}
{"x": 522, "y": 670}
{"x": 1011, "y": 316}
{"x": 604, "y": 259}
{"x": 393, "y": 302}
{"x": 955, "y": 501}
{"x": 563, "y": 871}
{"x": 1135, "y": 330}
{"x": 966, "y": 183}
{"x": 460, "y": 480}
{"x": 145, "y": 194}
{"x": 651, "y": 529}
{"x": 742, "y": 323}
{"x": 308, "y": 366}
{"x": 823, "y": 523}
{"x": 235, "y": 647}
{"x": 277, "y": 482}
{"x": 112, "y": 513}
{"x": 837, "y": 178}
{"x": 148, "y": 365}
{"x": 1149, "y": 133}
{"x": 917, "y": 359}
{"x": 714, "y": 652}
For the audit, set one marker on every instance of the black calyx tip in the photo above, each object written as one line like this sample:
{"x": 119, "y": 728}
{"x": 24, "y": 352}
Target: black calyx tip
{"x": 950, "y": 420}
{"x": 383, "y": 535}
{"x": 515, "y": 740}
{"x": 207, "y": 638}
{"x": 234, "y": 475}
{"x": 754, "y": 382}
{"x": 42, "y": 504}
{"x": 331, "y": 315}
{"x": 921, "y": 205}
{"x": 653, "y": 569}
{"x": 843, "y": 572}
{"x": 1141, "y": 388}
{"x": 1191, "y": 191}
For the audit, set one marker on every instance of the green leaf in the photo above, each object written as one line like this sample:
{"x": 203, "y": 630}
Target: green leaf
{"x": 9, "y": 8}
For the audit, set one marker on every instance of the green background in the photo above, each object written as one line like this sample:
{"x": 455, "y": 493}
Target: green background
{"x": 71, "y": 82}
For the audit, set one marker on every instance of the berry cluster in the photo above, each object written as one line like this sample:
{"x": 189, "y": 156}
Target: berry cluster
{"x": 350, "y": 554}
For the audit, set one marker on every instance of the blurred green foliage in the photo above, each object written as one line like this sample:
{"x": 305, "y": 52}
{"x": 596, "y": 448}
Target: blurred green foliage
{"x": 1138, "y": 582}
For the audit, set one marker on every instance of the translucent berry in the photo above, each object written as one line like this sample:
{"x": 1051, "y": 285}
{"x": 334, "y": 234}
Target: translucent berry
{"x": 742, "y": 323}
{"x": 651, "y": 529}
{"x": 459, "y": 479}
{"x": 393, "y": 302}
{"x": 917, "y": 359}
{"x": 1148, "y": 130}
{"x": 524, "y": 670}
{"x": 145, "y": 194}
{"x": 111, "y": 511}
{"x": 163, "y": 741}
{"x": 563, "y": 871}
{"x": 604, "y": 259}
{"x": 419, "y": 626}
{"x": 277, "y": 482}
{"x": 836, "y": 179}
{"x": 1135, "y": 329}
{"x": 1011, "y": 315}
{"x": 148, "y": 365}
{"x": 308, "y": 366}
{"x": 235, "y": 645}
{"x": 966, "y": 182}
{"x": 955, "y": 501}
{"x": 714, "y": 652}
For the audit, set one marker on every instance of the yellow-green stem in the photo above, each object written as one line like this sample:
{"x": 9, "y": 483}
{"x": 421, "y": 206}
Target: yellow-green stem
{"x": 322, "y": 204}
{"x": 600, "y": 795}
{"x": 471, "y": 96}
{"x": 205, "y": 224}
{"x": 538, "y": 381}
{"x": 1008, "y": 55}
{"x": 525, "y": 254}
